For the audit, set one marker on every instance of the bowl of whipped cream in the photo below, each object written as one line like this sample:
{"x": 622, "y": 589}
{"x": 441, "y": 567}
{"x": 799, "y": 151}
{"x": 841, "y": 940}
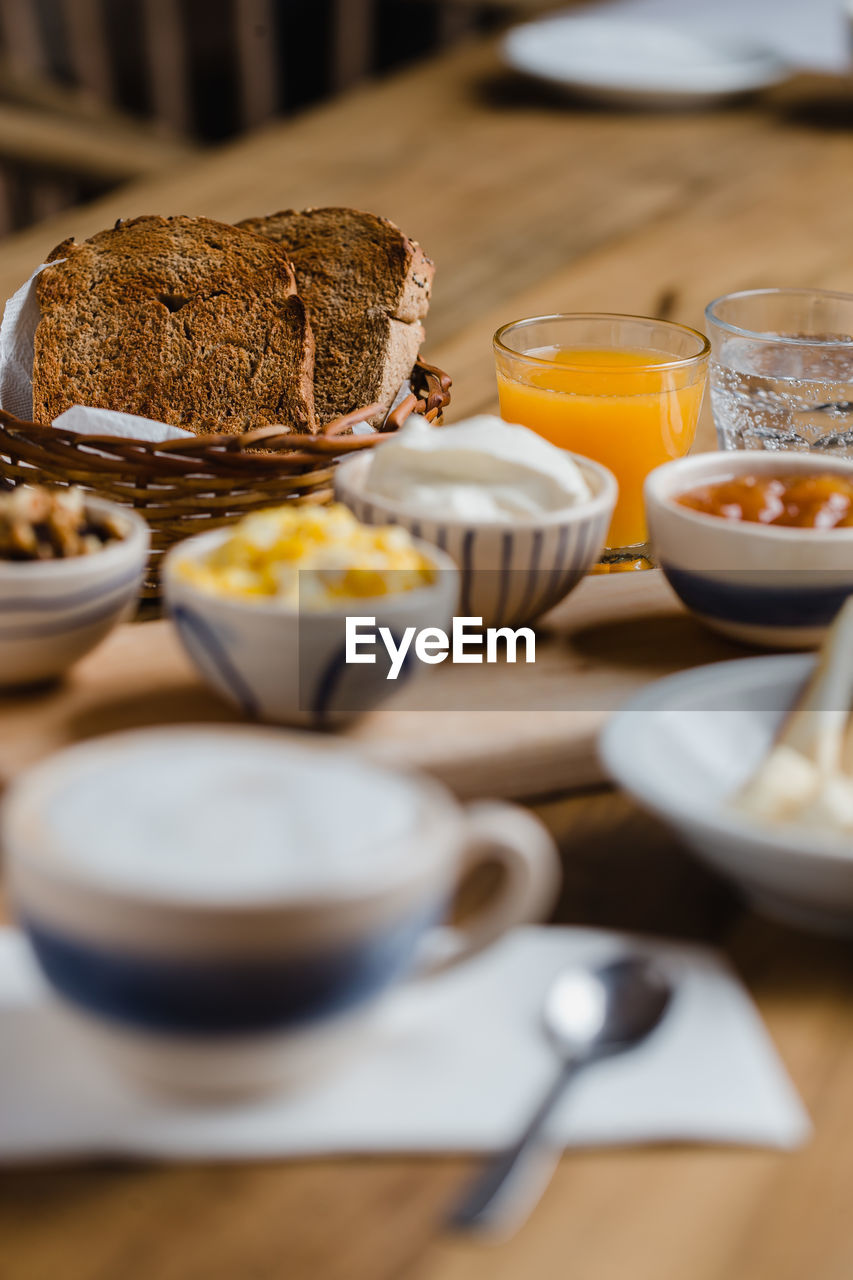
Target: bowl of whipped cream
{"x": 522, "y": 519}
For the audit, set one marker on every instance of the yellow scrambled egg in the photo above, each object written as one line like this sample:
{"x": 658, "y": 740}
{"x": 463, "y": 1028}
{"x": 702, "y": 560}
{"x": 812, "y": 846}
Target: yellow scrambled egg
{"x": 310, "y": 556}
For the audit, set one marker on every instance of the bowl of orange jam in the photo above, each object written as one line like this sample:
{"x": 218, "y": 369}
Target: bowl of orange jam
{"x": 757, "y": 544}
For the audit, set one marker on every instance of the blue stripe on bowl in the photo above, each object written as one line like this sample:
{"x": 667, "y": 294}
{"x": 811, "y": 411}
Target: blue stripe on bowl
{"x": 467, "y": 567}
{"x": 523, "y": 612}
{"x": 584, "y": 538}
{"x": 219, "y": 997}
{"x": 578, "y": 539}
{"x": 559, "y": 561}
{"x": 549, "y": 592}
{"x": 67, "y": 622}
{"x": 338, "y": 691}
{"x": 507, "y": 547}
{"x": 550, "y": 587}
{"x": 70, "y": 600}
{"x": 743, "y": 598}
{"x": 208, "y": 647}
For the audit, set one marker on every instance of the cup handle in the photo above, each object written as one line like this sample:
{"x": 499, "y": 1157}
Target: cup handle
{"x": 521, "y": 845}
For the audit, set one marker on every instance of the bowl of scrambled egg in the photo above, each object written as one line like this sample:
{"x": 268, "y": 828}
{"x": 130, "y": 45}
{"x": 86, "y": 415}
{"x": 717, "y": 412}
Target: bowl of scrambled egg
{"x": 277, "y": 611}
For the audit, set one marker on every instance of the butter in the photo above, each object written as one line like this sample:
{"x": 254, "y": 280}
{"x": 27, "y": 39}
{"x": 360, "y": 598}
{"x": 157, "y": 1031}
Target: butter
{"x": 807, "y": 777}
{"x": 790, "y": 789}
{"x": 832, "y": 808}
{"x": 483, "y": 469}
{"x": 785, "y": 784}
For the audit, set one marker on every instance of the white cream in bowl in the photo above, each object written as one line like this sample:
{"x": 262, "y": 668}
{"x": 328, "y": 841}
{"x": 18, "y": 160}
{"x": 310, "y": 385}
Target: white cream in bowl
{"x": 481, "y": 469}
{"x": 522, "y": 519}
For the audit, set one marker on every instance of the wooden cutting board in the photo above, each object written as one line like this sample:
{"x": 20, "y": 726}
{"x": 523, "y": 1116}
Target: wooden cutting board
{"x": 502, "y": 730}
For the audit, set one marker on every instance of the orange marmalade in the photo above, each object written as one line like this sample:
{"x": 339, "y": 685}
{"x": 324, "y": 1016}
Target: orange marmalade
{"x": 823, "y": 500}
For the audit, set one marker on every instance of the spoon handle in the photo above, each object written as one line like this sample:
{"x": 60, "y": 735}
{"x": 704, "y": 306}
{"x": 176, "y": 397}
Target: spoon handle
{"x": 488, "y": 1197}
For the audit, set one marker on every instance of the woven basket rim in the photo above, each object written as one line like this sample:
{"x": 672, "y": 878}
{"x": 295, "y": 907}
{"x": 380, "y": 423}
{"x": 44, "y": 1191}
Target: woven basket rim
{"x": 181, "y": 486}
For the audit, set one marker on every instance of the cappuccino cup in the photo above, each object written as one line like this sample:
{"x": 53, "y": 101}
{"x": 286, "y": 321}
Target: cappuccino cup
{"x": 222, "y": 909}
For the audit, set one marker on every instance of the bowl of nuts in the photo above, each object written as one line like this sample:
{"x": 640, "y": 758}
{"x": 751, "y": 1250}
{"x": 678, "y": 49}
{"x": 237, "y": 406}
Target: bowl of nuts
{"x": 71, "y": 567}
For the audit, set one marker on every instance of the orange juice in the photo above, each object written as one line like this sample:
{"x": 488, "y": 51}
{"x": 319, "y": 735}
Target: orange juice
{"x": 629, "y": 409}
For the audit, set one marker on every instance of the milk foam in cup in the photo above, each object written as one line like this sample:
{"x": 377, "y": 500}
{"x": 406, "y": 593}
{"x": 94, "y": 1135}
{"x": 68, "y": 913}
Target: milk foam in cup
{"x": 200, "y": 826}
{"x": 222, "y": 910}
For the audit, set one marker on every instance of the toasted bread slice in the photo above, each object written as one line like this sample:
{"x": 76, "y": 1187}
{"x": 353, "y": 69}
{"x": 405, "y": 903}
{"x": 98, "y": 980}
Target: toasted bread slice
{"x": 367, "y": 288}
{"x": 184, "y": 320}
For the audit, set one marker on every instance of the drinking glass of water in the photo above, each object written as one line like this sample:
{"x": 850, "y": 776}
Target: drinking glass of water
{"x": 781, "y": 373}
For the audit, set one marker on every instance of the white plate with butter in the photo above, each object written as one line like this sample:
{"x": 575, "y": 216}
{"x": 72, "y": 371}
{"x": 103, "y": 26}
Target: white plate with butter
{"x": 684, "y": 748}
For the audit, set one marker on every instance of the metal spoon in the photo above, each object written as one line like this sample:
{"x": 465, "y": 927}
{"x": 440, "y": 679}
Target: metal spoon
{"x": 589, "y": 1014}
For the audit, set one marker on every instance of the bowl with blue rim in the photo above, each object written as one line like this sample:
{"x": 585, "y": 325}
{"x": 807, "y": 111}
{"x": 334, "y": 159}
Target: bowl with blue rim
{"x": 54, "y": 611}
{"x": 285, "y": 664}
{"x": 772, "y": 585}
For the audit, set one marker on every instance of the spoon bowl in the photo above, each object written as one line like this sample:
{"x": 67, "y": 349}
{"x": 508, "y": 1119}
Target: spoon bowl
{"x": 597, "y": 1012}
{"x": 589, "y": 1014}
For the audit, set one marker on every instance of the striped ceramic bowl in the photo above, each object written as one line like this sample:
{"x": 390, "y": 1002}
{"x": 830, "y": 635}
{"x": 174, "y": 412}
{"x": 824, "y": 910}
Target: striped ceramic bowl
{"x": 55, "y": 611}
{"x": 769, "y": 585}
{"x": 286, "y": 665}
{"x": 511, "y": 573}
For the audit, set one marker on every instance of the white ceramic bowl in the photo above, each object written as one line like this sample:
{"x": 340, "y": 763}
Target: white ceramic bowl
{"x": 683, "y": 748}
{"x": 760, "y": 584}
{"x": 514, "y": 572}
{"x": 277, "y": 663}
{"x": 55, "y": 611}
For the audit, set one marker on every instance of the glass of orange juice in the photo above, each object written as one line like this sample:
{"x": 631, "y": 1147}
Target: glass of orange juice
{"x": 623, "y": 390}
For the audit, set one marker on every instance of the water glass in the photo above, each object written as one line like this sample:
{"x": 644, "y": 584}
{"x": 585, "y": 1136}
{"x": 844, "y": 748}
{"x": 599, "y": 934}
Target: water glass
{"x": 781, "y": 373}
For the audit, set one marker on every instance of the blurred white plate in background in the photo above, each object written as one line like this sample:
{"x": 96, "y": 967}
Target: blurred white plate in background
{"x": 639, "y": 63}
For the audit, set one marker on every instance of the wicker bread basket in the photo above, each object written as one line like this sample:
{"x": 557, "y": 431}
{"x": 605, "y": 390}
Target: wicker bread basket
{"x": 183, "y": 487}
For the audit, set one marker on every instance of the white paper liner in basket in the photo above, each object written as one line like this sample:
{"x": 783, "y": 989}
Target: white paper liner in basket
{"x": 17, "y": 345}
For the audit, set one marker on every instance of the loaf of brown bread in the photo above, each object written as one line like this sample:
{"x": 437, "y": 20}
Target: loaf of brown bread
{"x": 184, "y": 320}
{"x": 367, "y": 287}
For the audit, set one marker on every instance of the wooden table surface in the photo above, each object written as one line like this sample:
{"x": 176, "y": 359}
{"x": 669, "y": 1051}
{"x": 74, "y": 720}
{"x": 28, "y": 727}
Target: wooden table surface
{"x": 527, "y": 205}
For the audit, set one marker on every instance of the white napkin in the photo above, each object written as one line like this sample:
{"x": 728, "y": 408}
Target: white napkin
{"x": 20, "y": 317}
{"x": 17, "y": 334}
{"x": 107, "y": 422}
{"x": 457, "y": 1065}
{"x": 17, "y": 337}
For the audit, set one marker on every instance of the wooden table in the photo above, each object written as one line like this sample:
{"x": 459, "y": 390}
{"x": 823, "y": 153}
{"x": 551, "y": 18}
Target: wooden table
{"x": 527, "y": 206}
